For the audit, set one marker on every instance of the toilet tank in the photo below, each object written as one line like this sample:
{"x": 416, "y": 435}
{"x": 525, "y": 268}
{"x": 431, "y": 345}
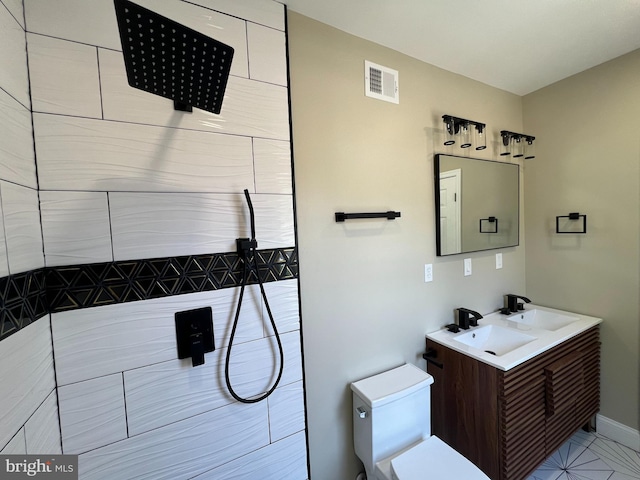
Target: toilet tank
{"x": 391, "y": 411}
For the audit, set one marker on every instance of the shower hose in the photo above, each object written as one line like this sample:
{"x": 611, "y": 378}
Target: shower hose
{"x": 247, "y": 252}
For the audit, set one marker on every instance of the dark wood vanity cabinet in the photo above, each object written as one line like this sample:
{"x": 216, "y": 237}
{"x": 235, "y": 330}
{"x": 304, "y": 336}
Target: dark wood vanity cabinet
{"x": 508, "y": 422}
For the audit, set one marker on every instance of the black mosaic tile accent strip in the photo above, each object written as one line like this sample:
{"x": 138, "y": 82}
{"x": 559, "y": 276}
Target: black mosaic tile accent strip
{"x": 98, "y": 284}
{"x": 28, "y": 296}
{"x": 22, "y": 301}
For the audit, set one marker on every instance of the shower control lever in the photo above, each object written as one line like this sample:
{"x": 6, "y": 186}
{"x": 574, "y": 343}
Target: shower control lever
{"x": 197, "y": 347}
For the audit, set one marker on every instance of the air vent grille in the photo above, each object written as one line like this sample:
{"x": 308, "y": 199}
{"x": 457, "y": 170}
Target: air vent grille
{"x": 381, "y": 82}
{"x": 375, "y": 80}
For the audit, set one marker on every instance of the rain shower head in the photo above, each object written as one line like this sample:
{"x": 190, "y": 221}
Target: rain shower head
{"x": 168, "y": 59}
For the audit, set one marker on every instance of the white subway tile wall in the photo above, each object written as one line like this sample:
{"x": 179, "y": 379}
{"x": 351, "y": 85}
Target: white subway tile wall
{"x": 283, "y": 303}
{"x": 42, "y": 430}
{"x": 95, "y": 405}
{"x": 227, "y": 29}
{"x": 272, "y": 163}
{"x": 270, "y": 14}
{"x": 148, "y": 225}
{"x": 75, "y": 227}
{"x": 17, "y": 445}
{"x": 13, "y": 54}
{"x": 123, "y": 176}
{"x": 54, "y": 66}
{"x": 16, "y": 137}
{"x": 22, "y": 227}
{"x": 4, "y": 263}
{"x": 250, "y": 107}
{"x": 28, "y": 379}
{"x": 267, "y": 57}
{"x": 15, "y": 8}
{"x": 137, "y": 334}
{"x": 182, "y": 450}
{"x": 281, "y": 460}
{"x": 160, "y": 393}
{"x": 90, "y": 154}
{"x": 28, "y": 419}
{"x": 173, "y": 391}
{"x": 286, "y": 411}
{"x": 90, "y": 23}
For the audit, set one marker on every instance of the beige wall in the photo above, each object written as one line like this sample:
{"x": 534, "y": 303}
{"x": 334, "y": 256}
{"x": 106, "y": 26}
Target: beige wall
{"x": 365, "y": 306}
{"x": 589, "y": 162}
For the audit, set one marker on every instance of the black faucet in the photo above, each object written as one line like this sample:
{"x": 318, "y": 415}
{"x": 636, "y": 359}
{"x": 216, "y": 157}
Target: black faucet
{"x": 511, "y": 301}
{"x": 466, "y": 318}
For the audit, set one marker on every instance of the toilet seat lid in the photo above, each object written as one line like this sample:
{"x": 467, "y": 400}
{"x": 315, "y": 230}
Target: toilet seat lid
{"x": 435, "y": 460}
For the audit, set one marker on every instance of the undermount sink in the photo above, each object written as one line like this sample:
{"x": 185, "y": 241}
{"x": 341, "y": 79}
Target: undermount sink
{"x": 542, "y": 319}
{"x": 494, "y": 339}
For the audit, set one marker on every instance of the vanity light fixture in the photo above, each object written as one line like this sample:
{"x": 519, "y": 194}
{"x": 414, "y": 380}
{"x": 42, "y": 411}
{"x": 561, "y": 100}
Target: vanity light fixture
{"x": 518, "y": 144}
{"x": 449, "y": 130}
{"x": 465, "y": 135}
{"x": 505, "y": 144}
{"x": 518, "y": 148}
{"x": 529, "y": 148}
{"x": 480, "y": 137}
{"x": 466, "y": 132}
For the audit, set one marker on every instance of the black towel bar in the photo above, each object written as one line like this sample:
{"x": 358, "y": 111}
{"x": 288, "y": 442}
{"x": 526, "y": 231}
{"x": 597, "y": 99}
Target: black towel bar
{"x": 390, "y": 215}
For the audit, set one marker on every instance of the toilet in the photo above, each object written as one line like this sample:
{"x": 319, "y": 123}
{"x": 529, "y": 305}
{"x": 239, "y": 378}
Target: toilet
{"x": 392, "y": 430}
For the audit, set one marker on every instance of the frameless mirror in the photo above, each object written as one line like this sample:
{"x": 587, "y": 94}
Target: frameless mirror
{"x": 477, "y": 204}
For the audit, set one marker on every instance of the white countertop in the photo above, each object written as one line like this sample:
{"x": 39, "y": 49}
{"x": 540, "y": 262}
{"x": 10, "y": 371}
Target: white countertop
{"x": 544, "y": 339}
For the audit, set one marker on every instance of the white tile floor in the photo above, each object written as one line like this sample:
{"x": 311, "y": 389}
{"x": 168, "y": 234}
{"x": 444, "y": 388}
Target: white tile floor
{"x": 589, "y": 456}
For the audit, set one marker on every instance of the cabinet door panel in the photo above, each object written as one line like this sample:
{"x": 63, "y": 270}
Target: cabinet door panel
{"x": 564, "y": 382}
{"x": 464, "y": 408}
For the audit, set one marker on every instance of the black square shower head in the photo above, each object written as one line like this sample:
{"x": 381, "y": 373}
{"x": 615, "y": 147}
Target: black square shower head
{"x": 171, "y": 60}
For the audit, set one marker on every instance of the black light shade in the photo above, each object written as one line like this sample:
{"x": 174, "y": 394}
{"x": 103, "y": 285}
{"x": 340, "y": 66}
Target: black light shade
{"x": 168, "y": 59}
{"x": 529, "y": 149}
{"x": 505, "y": 144}
{"x": 465, "y": 136}
{"x": 449, "y": 130}
{"x": 480, "y": 137}
{"x": 518, "y": 147}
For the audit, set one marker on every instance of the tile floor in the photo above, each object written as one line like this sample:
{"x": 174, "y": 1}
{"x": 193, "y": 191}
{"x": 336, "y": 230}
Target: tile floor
{"x": 589, "y": 456}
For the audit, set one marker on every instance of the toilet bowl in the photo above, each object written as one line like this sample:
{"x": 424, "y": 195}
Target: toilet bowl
{"x": 392, "y": 430}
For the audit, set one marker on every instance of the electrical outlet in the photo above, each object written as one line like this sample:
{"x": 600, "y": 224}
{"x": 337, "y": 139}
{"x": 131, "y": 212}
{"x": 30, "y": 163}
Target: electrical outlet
{"x": 428, "y": 272}
{"x": 467, "y": 267}
{"x": 498, "y": 261}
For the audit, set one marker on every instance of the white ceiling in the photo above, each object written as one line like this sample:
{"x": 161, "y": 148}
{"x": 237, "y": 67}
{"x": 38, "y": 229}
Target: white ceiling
{"x": 516, "y": 45}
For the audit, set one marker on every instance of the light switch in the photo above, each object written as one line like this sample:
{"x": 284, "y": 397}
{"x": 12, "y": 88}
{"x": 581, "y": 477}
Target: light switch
{"x": 467, "y": 267}
{"x": 498, "y": 261}
{"x": 428, "y": 272}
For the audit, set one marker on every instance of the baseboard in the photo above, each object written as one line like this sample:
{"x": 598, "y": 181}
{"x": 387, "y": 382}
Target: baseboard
{"x": 618, "y": 432}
